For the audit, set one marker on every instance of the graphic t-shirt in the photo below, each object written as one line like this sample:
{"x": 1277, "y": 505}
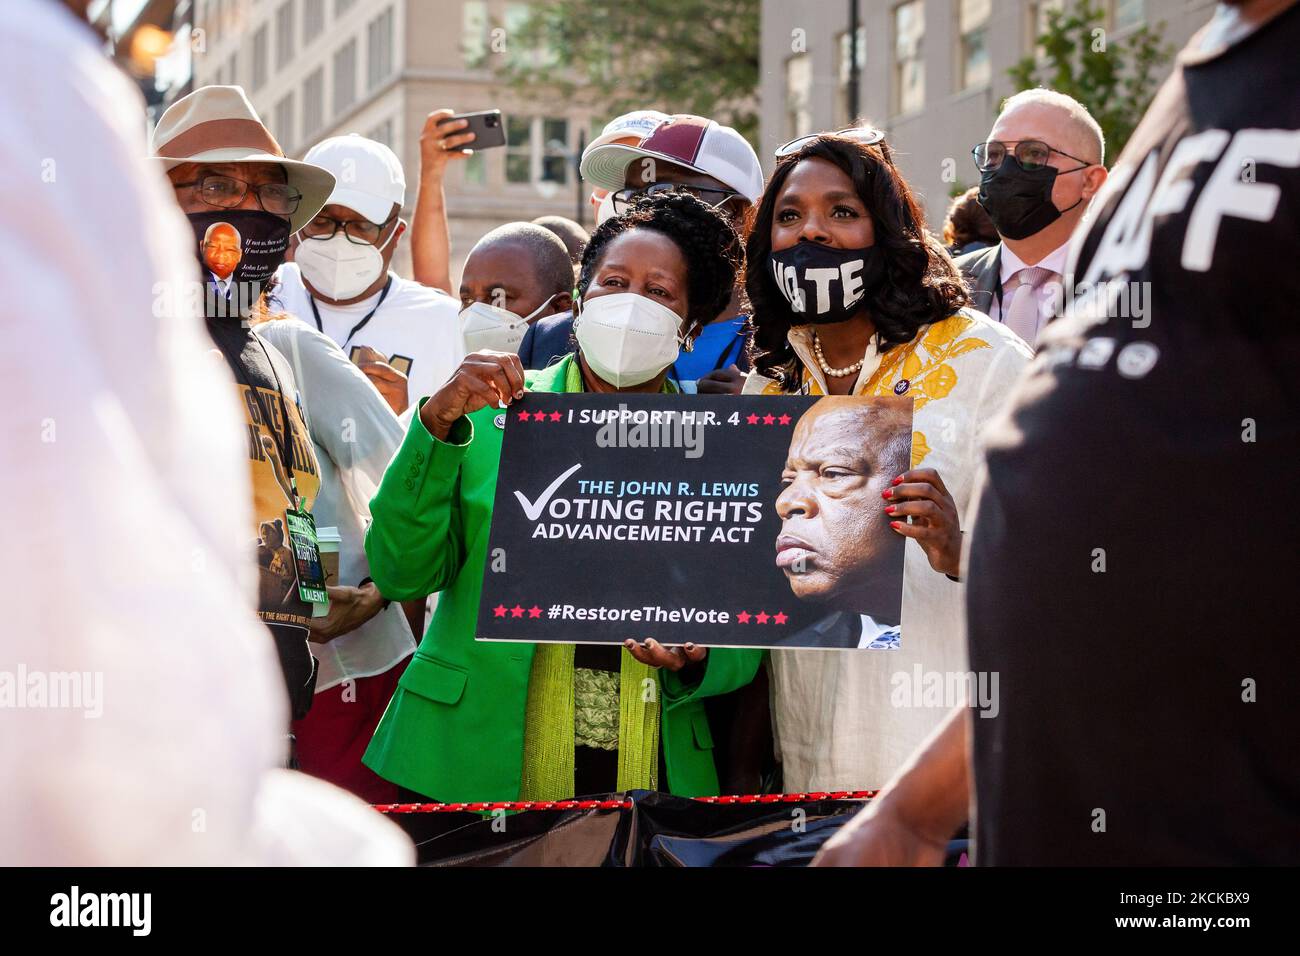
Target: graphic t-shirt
{"x": 266, "y": 395}
{"x": 416, "y": 328}
{"x": 1136, "y": 532}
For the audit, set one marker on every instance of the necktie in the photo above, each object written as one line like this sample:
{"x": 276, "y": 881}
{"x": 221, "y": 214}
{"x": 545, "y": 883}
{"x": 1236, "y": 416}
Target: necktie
{"x": 1022, "y": 316}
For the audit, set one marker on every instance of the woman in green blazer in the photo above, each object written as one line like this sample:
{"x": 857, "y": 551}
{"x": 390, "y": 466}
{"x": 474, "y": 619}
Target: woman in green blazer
{"x": 475, "y": 721}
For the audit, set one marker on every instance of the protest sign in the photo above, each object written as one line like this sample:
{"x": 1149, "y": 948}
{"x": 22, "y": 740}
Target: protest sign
{"x": 724, "y": 521}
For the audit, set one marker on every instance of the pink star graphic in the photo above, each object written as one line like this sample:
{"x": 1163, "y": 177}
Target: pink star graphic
{"x": 516, "y": 611}
{"x": 743, "y": 617}
{"x": 784, "y": 419}
{"x": 534, "y": 611}
{"x": 523, "y": 416}
{"x": 539, "y": 416}
{"x": 499, "y": 611}
{"x": 769, "y": 419}
{"x": 761, "y": 617}
{"x": 752, "y": 419}
{"x": 556, "y": 416}
{"x": 780, "y": 618}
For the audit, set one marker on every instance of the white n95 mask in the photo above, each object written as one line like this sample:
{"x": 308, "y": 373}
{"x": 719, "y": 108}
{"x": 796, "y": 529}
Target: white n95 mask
{"x": 339, "y": 268}
{"x": 492, "y": 327}
{"x": 626, "y": 338}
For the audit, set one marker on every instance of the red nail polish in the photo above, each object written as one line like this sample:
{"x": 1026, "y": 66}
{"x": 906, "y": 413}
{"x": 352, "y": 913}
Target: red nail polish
{"x": 887, "y": 493}
{"x": 889, "y": 509}
{"x": 895, "y": 524}
{"x": 897, "y": 481}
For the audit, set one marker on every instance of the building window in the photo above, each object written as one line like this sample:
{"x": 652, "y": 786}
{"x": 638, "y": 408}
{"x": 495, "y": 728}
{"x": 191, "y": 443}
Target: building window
{"x": 519, "y": 150}
{"x": 379, "y": 49}
{"x": 973, "y": 34}
{"x": 842, "y": 117}
{"x": 537, "y": 151}
{"x": 313, "y": 19}
{"x": 1127, "y": 14}
{"x": 283, "y": 34}
{"x": 909, "y": 61}
{"x": 474, "y": 33}
{"x": 474, "y": 169}
{"x": 345, "y": 77}
{"x": 261, "y": 53}
{"x": 313, "y": 103}
{"x": 798, "y": 95}
{"x": 1038, "y": 14}
{"x": 383, "y": 133}
{"x": 555, "y": 151}
{"x": 284, "y": 120}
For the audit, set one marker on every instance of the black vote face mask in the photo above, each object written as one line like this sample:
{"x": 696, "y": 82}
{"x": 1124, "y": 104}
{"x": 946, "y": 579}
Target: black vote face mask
{"x": 1018, "y": 200}
{"x": 245, "y": 246}
{"x": 825, "y": 285}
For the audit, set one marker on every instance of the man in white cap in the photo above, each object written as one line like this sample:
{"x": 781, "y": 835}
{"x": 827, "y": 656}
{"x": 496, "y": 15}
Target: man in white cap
{"x": 403, "y": 335}
{"x": 717, "y": 165}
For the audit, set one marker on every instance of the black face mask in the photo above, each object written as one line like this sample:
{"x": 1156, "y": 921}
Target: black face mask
{"x": 1018, "y": 200}
{"x": 825, "y": 285}
{"x": 243, "y": 245}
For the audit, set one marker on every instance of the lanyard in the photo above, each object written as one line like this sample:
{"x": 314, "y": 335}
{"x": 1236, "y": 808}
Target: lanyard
{"x": 360, "y": 325}
{"x": 283, "y": 445}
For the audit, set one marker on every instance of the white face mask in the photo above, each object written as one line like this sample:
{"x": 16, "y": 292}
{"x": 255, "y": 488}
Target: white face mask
{"x": 626, "y": 338}
{"x": 339, "y": 268}
{"x": 605, "y": 209}
{"x": 492, "y": 327}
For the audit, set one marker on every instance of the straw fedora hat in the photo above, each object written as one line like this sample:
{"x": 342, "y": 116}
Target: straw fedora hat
{"x": 217, "y": 124}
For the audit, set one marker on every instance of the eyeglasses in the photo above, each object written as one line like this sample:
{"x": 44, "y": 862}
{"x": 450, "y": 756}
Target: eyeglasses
{"x": 228, "y": 192}
{"x": 362, "y": 232}
{"x": 1031, "y": 154}
{"x": 866, "y": 135}
{"x": 622, "y": 200}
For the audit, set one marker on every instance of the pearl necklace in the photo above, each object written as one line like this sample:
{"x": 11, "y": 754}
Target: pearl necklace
{"x": 826, "y": 368}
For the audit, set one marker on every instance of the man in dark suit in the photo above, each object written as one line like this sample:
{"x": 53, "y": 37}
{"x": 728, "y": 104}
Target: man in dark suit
{"x": 1039, "y": 170}
{"x": 547, "y": 340}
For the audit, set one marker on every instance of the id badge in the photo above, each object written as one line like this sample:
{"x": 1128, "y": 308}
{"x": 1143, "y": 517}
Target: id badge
{"x": 306, "y": 556}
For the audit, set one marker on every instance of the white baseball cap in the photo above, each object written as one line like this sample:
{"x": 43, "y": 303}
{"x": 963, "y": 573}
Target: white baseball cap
{"x": 693, "y": 142}
{"x": 638, "y": 125}
{"x": 368, "y": 175}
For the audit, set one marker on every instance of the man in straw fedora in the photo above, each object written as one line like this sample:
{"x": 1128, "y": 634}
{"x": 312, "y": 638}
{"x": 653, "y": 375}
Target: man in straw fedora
{"x": 232, "y": 178}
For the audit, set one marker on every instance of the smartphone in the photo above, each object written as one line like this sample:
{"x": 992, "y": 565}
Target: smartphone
{"x": 486, "y": 125}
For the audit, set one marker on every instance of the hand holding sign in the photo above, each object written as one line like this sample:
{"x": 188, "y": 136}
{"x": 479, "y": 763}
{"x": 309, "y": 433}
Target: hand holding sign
{"x": 654, "y": 654}
{"x": 936, "y": 526}
{"x": 484, "y": 378}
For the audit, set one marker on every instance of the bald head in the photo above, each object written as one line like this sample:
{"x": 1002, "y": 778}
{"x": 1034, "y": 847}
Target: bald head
{"x": 1060, "y": 121}
{"x": 574, "y": 237}
{"x": 518, "y": 266}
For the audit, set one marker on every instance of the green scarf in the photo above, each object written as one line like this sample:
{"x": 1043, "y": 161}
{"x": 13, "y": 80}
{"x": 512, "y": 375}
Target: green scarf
{"x": 549, "y": 712}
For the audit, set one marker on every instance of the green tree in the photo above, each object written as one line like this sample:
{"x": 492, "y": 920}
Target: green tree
{"x": 1114, "y": 81}
{"x": 688, "y": 56}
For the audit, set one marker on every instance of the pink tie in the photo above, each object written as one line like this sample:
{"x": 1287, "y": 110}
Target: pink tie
{"x": 1023, "y": 315}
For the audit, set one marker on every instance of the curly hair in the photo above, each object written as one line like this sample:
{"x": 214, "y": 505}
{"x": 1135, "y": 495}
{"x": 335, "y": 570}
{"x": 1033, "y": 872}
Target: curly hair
{"x": 921, "y": 284}
{"x": 708, "y": 242}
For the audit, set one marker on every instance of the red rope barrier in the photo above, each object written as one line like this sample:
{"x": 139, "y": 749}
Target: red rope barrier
{"x": 617, "y": 804}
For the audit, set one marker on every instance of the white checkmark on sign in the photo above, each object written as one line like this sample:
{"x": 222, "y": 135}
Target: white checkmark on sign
{"x": 533, "y": 509}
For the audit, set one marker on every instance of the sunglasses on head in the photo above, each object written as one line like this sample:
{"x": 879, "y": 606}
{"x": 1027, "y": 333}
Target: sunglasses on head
{"x": 866, "y": 135}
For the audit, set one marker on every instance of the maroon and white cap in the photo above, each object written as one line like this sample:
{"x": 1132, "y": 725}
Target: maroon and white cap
{"x": 693, "y": 142}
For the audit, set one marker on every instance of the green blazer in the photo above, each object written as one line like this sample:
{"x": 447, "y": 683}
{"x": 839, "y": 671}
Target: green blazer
{"x": 454, "y": 729}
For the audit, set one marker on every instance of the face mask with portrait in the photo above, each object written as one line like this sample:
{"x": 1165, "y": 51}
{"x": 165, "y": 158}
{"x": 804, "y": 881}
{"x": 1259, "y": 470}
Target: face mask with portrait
{"x": 243, "y": 247}
{"x": 491, "y": 327}
{"x": 339, "y": 268}
{"x": 825, "y": 285}
{"x": 1019, "y": 200}
{"x": 626, "y": 338}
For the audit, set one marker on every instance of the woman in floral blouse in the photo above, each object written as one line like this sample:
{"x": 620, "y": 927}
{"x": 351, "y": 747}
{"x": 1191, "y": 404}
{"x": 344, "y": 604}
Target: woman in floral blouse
{"x": 851, "y": 296}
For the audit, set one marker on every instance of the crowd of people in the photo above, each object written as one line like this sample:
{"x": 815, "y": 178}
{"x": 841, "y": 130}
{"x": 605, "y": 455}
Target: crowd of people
{"x": 1070, "y": 518}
